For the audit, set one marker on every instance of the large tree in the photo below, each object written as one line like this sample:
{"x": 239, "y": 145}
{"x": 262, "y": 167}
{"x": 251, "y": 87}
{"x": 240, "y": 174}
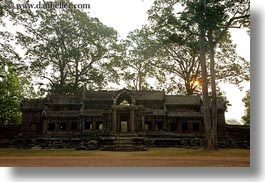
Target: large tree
{"x": 181, "y": 65}
{"x": 246, "y": 100}
{"x": 8, "y": 55}
{"x": 69, "y": 48}
{"x": 179, "y": 51}
{"x": 219, "y": 17}
{"x": 13, "y": 75}
{"x": 11, "y": 94}
{"x": 214, "y": 18}
{"x": 209, "y": 21}
{"x": 136, "y": 65}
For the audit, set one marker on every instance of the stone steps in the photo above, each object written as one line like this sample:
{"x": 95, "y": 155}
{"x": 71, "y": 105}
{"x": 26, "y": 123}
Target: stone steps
{"x": 124, "y": 142}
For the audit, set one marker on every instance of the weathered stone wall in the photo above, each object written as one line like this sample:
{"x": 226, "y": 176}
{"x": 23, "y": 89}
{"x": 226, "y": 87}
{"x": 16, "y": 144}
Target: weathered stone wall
{"x": 239, "y": 135}
{"x": 32, "y": 122}
{"x": 7, "y": 133}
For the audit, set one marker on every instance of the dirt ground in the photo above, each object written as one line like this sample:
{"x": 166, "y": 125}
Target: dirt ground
{"x": 125, "y": 161}
{"x": 153, "y": 157}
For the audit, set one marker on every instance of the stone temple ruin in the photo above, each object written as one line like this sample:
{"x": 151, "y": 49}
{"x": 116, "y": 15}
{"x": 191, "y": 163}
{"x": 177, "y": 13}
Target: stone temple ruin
{"x": 119, "y": 120}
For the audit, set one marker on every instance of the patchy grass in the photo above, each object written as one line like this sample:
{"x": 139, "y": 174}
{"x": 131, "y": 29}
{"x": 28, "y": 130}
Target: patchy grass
{"x": 152, "y": 152}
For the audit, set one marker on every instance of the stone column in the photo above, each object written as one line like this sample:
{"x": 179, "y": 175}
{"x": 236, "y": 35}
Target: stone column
{"x": 104, "y": 123}
{"x": 178, "y": 127}
{"x": 164, "y": 124}
{"x": 132, "y": 121}
{"x": 152, "y": 125}
{"x": 190, "y": 129}
{"x": 94, "y": 125}
{"x": 45, "y": 126}
{"x": 81, "y": 124}
{"x": 118, "y": 123}
{"x": 68, "y": 126}
{"x": 142, "y": 124}
{"x": 57, "y": 126}
{"x": 114, "y": 121}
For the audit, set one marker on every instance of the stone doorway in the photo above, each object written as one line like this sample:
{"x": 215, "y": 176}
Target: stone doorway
{"x": 124, "y": 126}
{"x": 124, "y": 122}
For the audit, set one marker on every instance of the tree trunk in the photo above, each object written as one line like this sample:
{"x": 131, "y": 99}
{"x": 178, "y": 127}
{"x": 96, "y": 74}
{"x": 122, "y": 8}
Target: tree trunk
{"x": 206, "y": 108}
{"x": 213, "y": 133}
{"x": 189, "y": 89}
{"x": 62, "y": 81}
{"x": 75, "y": 89}
{"x": 140, "y": 81}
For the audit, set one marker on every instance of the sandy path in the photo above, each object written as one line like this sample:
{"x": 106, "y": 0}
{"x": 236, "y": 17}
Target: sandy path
{"x": 125, "y": 161}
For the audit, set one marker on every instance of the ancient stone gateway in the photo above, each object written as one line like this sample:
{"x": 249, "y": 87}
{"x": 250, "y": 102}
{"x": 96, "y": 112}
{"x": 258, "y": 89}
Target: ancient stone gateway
{"x": 123, "y": 119}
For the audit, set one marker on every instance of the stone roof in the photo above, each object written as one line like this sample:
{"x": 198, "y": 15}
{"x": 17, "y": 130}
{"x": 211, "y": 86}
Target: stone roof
{"x": 149, "y": 95}
{"x": 99, "y": 95}
{"x": 182, "y": 100}
{"x": 109, "y": 95}
{"x": 139, "y": 95}
{"x": 34, "y": 104}
{"x": 64, "y": 99}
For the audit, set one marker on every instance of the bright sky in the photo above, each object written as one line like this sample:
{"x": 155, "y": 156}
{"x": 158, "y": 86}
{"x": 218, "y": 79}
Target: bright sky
{"x": 128, "y": 15}
{"x": 123, "y": 15}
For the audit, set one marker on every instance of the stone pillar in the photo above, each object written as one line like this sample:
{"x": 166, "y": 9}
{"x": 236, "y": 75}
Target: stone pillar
{"x": 190, "y": 129}
{"x": 45, "y": 126}
{"x": 56, "y": 126}
{"x": 78, "y": 125}
{"x": 152, "y": 125}
{"x": 81, "y": 124}
{"x": 114, "y": 121}
{"x": 94, "y": 125}
{"x": 118, "y": 123}
{"x": 104, "y": 123}
{"x": 178, "y": 126}
{"x": 164, "y": 124}
{"x": 142, "y": 122}
{"x": 68, "y": 126}
{"x": 132, "y": 127}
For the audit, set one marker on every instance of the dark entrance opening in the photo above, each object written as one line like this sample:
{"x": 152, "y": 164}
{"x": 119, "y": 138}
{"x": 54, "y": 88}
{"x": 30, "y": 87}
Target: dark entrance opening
{"x": 196, "y": 127}
{"x": 51, "y": 126}
{"x": 62, "y": 126}
{"x": 88, "y": 125}
{"x": 173, "y": 127}
{"x": 99, "y": 125}
{"x": 74, "y": 126}
{"x": 148, "y": 126}
{"x": 33, "y": 127}
{"x": 159, "y": 125}
{"x": 184, "y": 127}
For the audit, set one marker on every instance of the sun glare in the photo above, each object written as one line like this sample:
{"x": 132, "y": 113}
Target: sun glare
{"x": 195, "y": 83}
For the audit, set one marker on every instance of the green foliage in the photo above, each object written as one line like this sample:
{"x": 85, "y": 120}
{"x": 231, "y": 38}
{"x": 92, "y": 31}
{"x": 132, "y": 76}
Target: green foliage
{"x": 230, "y": 67}
{"x": 72, "y": 50}
{"x": 207, "y": 23}
{"x": 77, "y": 48}
{"x": 246, "y": 100}
{"x": 11, "y": 94}
{"x": 176, "y": 23}
{"x": 136, "y": 65}
{"x": 14, "y": 76}
{"x": 178, "y": 57}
